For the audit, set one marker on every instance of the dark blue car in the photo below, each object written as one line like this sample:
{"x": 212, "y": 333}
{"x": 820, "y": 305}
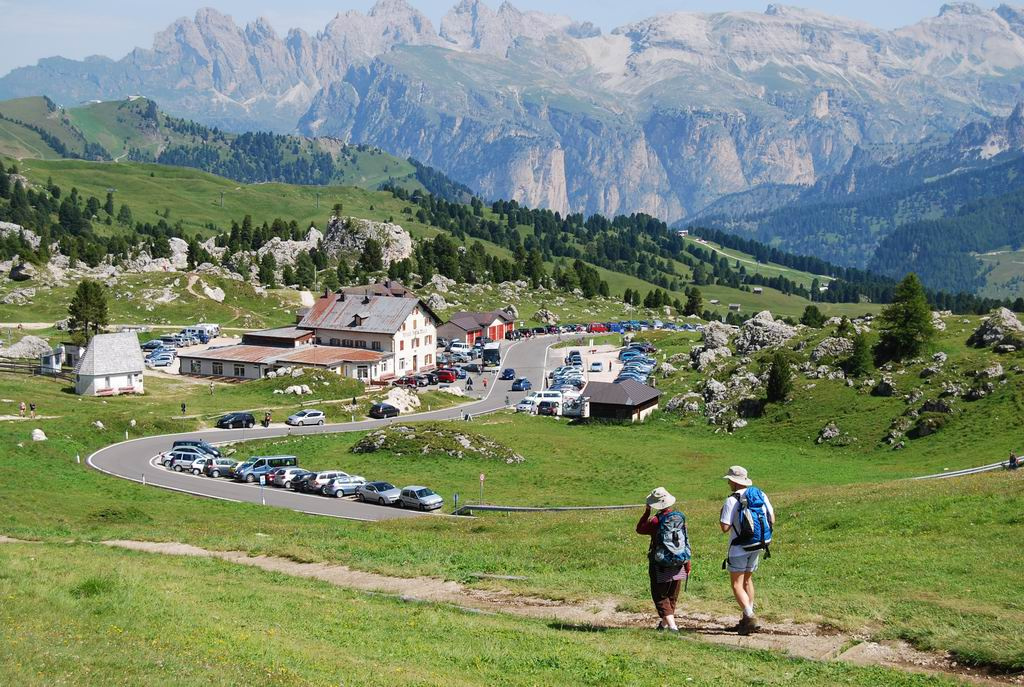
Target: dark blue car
{"x": 521, "y": 384}
{"x": 508, "y": 373}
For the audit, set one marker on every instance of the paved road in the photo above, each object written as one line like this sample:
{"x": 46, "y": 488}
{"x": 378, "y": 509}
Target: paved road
{"x": 134, "y": 459}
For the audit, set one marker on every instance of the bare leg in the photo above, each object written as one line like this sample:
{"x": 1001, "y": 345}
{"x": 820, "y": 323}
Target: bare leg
{"x": 739, "y": 589}
{"x": 748, "y": 587}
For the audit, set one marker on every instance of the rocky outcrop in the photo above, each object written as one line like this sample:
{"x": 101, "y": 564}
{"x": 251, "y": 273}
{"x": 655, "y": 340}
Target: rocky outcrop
{"x": 763, "y": 331}
{"x": 29, "y": 346}
{"x": 287, "y": 251}
{"x": 19, "y": 297}
{"x": 1001, "y": 325}
{"x": 23, "y": 271}
{"x": 9, "y": 229}
{"x": 717, "y": 334}
{"x": 832, "y": 347}
{"x": 828, "y": 433}
{"x": 545, "y": 316}
{"x": 347, "y": 236}
{"x": 437, "y": 302}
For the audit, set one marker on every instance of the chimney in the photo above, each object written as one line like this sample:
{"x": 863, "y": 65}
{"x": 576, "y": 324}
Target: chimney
{"x": 341, "y": 296}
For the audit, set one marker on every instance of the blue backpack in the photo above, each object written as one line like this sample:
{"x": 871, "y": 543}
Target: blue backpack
{"x": 755, "y": 528}
{"x": 671, "y": 544}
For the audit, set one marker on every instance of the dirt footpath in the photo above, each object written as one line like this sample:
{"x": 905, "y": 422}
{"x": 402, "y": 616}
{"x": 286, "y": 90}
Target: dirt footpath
{"x": 801, "y": 640}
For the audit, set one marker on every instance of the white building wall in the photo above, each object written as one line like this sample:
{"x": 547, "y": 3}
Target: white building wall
{"x": 127, "y": 382}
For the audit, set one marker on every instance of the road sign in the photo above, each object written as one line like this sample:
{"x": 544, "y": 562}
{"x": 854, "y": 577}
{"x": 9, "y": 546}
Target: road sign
{"x": 263, "y": 480}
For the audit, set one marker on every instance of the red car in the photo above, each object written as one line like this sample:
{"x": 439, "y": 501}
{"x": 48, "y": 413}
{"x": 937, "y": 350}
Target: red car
{"x": 597, "y": 327}
{"x": 447, "y": 376}
{"x": 408, "y": 380}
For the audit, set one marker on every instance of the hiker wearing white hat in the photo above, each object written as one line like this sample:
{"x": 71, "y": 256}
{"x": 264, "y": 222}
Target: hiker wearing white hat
{"x": 668, "y": 556}
{"x": 748, "y": 515}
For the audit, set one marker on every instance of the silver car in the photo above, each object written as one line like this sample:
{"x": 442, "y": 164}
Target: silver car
{"x": 384, "y": 493}
{"x": 306, "y": 417}
{"x": 181, "y": 458}
{"x": 343, "y": 485}
{"x": 284, "y": 478}
{"x": 420, "y": 498}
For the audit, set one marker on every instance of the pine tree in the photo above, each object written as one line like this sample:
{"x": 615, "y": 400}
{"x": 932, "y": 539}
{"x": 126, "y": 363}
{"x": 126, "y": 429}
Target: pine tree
{"x": 288, "y": 275}
{"x": 372, "y": 257}
{"x": 268, "y": 269}
{"x": 694, "y": 302}
{"x": 330, "y": 280}
{"x": 305, "y": 271}
{"x": 88, "y": 309}
{"x": 5, "y": 185}
{"x": 812, "y": 317}
{"x": 906, "y": 324}
{"x": 124, "y": 215}
{"x": 108, "y": 206}
{"x": 627, "y": 297}
{"x": 344, "y": 275}
{"x": 780, "y": 378}
{"x": 859, "y": 362}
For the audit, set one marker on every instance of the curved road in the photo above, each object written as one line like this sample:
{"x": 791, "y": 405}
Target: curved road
{"x": 134, "y": 459}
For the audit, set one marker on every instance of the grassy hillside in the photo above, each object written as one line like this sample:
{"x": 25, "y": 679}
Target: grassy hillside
{"x": 194, "y": 200}
{"x": 930, "y": 558}
{"x": 135, "y": 129}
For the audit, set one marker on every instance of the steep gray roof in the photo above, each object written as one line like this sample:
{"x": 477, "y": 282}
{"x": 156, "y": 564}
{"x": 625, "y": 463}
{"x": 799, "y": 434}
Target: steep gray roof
{"x": 109, "y": 354}
{"x": 379, "y": 314}
{"x": 628, "y": 392}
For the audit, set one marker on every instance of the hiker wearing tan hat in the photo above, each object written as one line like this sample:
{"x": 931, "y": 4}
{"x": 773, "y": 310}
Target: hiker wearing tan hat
{"x": 668, "y": 556}
{"x": 748, "y": 516}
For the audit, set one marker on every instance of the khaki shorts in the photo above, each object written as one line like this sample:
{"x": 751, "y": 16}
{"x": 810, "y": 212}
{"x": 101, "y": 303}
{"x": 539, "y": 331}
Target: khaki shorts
{"x": 746, "y": 562}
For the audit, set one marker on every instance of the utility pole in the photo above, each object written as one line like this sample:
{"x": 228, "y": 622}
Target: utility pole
{"x": 317, "y": 200}
{"x": 222, "y": 199}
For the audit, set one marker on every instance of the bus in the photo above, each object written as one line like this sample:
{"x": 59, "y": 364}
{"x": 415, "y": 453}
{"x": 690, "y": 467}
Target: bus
{"x": 492, "y": 354}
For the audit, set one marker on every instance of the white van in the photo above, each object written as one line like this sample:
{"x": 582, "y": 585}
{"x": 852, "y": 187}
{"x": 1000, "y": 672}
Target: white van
{"x": 538, "y": 396}
{"x": 460, "y": 347}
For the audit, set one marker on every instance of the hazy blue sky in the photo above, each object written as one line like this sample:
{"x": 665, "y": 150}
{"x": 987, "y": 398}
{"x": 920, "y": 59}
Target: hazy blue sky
{"x": 30, "y": 29}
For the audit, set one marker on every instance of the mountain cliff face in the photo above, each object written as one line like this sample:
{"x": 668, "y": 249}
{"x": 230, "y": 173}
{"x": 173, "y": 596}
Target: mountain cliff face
{"x": 662, "y": 116}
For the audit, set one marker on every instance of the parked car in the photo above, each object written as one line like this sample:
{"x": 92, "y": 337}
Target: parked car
{"x": 285, "y": 476}
{"x": 160, "y": 361}
{"x": 299, "y": 482}
{"x": 527, "y": 405}
{"x": 422, "y": 380}
{"x": 420, "y": 498}
{"x": 431, "y": 378}
{"x": 596, "y": 366}
{"x": 317, "y": 482}
{"x": 258, "y": 466}
{"x": 200, "y": 444}
{"x": 152, "y": 345}
{"x": 475, "y": 368}
{"x": 181, "y": 459}
{"x": 344, "y": 485}
{"x": 447, "y": 376}
{"x": 219, "y": 467}
{"x": 306, "y": 417}
{"x": 407, "y": 380}
{"x": 236, "y": 420}
{"x": 507, "y": 373}
{"x": 522, "y": 384}
{"x": 383, "y": 410}
{"x": 548, "y": 408}
{"x": 383, "y": 493}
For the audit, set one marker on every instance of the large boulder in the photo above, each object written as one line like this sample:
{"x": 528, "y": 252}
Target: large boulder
{"x": 348, "y": 236}
{"x": 19, "y": 297}
{"x": 832, "y": 347}
{"x": 545, "y": 316}
{"x": 512, "y": 311}
{"x": 1001, "y": 325}
{"x": 28, "y": 347}
{"x": 23, "y": 271}
{"x": 38, "y": 435}
{"x": 406, "y": 401}
{"x": 701, "y": 358}
{"x": 763, "y": 331}
{"x": 440, "y": 283}
{"x": 286, "y": 252}
{"x": 714, "y": 390}
{"x": 717, "y": 334}
{"x": 179, "y": 253}
{"x": 214, "y": 293}
{"x": 436, "y": 302}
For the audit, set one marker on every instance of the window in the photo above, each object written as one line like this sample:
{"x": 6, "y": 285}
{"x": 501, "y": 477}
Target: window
{"x": 218, "y": 368}
{"x": 401, "y": 345}
{"x": 428, "y": 359}
{"x": 195, "y": 366}
{"x": 362, "y": 372}
{"x": 401, "y": 363}
{"x": 239, "y": 370}
{"x": 415, "y": 324}
{"x": 416, "y": 343}
{"x": 375, "y": 345}
{"x": 335, "y": 342}
{"x": 360, "y": 344}
{"x": 403, "y": 326}
{"x": 429, "y": 339}
{"x": 347, "y": 343}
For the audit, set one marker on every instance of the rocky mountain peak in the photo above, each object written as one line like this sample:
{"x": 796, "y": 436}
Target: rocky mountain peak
{"x": 965, "y": 8}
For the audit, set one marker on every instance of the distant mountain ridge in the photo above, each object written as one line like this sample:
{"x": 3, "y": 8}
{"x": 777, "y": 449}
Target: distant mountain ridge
{"x": 662, "y": 116}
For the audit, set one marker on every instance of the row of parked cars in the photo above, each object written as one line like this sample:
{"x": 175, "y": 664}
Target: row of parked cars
{"x": 199, "y": 457}
{"x": 163, "y": 351}
{"x": 637, "y": 364}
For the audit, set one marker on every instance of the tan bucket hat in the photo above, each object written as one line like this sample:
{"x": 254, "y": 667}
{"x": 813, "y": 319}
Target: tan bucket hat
{"x": 660, "y": 498}
{"x": 738, "y": 475}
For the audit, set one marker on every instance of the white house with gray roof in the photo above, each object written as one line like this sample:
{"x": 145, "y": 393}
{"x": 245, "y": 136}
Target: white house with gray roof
{"x": 111, "y": 365}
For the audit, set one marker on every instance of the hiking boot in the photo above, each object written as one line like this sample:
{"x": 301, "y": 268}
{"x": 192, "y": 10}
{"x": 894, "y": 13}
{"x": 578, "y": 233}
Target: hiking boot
{"x": 745, "y": 626}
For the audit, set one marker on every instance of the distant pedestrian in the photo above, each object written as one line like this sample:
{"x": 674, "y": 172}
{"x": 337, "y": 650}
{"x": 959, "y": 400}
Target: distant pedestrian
{"x": 508, "y": 400}
{"x": 32, "y": 410}
{"x": 21, "y": 409}
{"x": 485, "y": 382}
{"x": 211, "y": 388}
{"x": 609, "y": 366}
{"x": 1014, "y": 461}
{"x": 749, "y": 516}
{"x": 668, "y": 556}
{"x": 182, "y": 408}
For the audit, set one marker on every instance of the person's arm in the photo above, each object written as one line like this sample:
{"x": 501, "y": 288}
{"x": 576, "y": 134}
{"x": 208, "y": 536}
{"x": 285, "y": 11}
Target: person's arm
{"x": 725, "y": 520}
{"x": 771, "y": 511}
{"x": 648, "y": 523}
